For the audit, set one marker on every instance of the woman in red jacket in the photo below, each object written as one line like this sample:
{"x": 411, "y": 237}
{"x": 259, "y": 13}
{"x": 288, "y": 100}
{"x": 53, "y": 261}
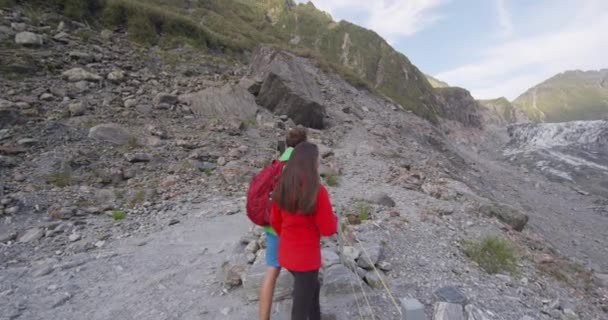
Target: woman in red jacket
{"x": 301, "y": 214}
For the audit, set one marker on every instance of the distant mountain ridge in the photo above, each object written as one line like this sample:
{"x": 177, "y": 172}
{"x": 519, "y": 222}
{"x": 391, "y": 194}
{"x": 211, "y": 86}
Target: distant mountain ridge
{"x": 568, "y": 96}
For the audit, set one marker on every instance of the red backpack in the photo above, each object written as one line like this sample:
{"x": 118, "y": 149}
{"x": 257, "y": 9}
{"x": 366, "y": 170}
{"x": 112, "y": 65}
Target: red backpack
{"x": 258, "y": 195}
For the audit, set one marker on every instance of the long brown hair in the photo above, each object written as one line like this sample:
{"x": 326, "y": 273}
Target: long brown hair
{"x": 299, "y": 184}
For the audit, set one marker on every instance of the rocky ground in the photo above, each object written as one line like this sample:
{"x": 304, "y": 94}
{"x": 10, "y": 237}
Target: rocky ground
{"x": 93, "y": 128}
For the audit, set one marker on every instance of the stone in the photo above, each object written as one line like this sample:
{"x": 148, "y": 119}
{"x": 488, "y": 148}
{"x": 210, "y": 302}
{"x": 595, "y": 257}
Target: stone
{"x": 339, "y": 281}
{"x": 474, "y": 313}
{"x": 47, "y": 97}
{"x": 527, "y": 318}
{"x": 509, "y": 215}
{"x": 325, "y": 151}
{"x": 29, "y": 39}
{"x": 79, "y": 74}
{"x": 234, "y": 269}
{"x": 234, "y": 173}
{"x": 116, "y": 76}
{"x": 81, "y": 56}
{"x": 229, "y": 101}
{"x": 252, "y": 247}
{"x": 106, "y": 34}
{"x": 31, "y": 235}
{"x": 62, "y": 37}
{"x": 130, "y": 103}
{"x": 43, "y": 271}
{"x": 74, "y": 237}
{"x": 27, "y": 142}
{"x": 138, "y": 157}
{"x": 8, "y": 236}
{"x": 369, "y": 256}
{"x": 110, "y": 132}
{"x": 173, "y": 222}
{"x": 76, "y": 109}
{"x": 329, "y": 258}
{"x": 287, "y": 88}
{"x": 221, "y": 161}
{"x": 447, "y": 311}
{"x": 18, "y": 26}
{"x": 351, "y": 253}
{"x": 11, "y": 210}
{"x": 385, "y": 266}
{"x": 373, "y": 279}
{"x": 381, "y": 199}
{"x": 412, "y": 309}
{"x": 144, "y": 109}
{"x": 253, "y": 279}
{"x": 451, "y": 295}
{"x": 601, "y": 279}
{"x": 164, "y": 98}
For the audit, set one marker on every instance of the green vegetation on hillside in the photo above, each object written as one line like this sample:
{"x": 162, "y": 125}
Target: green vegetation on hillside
{"x": 572, "y": 95}
{"x": 360, "y": 55}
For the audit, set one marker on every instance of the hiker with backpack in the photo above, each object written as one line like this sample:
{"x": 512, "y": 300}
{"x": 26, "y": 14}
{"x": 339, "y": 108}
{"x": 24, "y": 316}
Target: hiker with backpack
{"x": 301, "y": 213}
{"x": 258, "y": 211}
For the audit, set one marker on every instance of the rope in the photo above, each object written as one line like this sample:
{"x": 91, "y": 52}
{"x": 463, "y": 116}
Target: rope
{"x": 394, "y": 302}
{"x": 380, "y": 277}
{"x": 369, "y": 306}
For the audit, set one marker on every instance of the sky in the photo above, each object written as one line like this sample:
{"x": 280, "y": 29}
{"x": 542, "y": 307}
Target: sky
{"x": 493, "y": 48}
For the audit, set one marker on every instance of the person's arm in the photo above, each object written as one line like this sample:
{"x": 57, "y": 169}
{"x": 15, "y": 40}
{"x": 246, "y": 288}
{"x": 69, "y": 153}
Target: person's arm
{"x": 275, "y": 218}
{"x": 326, "y": 220}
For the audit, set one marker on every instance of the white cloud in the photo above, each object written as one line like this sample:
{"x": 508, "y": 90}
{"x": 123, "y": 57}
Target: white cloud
{"x": 510, "y": 68}
{"x": 390, "y": 18}
{"x": 504, "y": 17}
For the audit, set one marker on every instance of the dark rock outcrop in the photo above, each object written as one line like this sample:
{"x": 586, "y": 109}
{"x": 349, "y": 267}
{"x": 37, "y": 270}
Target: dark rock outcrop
{"x": 457, "y": 104}
{"x": 287, "y": 88}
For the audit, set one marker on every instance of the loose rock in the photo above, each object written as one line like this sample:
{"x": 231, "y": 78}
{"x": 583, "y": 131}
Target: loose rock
{"x": 79, "y": 74}
{"x": 26, "y": 38}
{"x": 447, "y": 311}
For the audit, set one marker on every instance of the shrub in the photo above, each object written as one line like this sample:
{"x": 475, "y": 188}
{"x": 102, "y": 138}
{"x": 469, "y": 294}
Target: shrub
{"x": 493, "y": 253}
{"x": 141, "y": 29}
{"x": 118, "y": 215}
{"x": 80, "y": 9}
{"x": 363, "y": 211}
{"x": 331, "y": 180}
{"x": 60, "y": 179}
{"x": 138, "y": 198}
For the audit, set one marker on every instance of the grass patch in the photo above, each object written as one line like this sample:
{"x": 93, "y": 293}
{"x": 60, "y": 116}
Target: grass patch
{"x": 138, "y": 198}
{"x": 60, "y": 179}
{"x": 331, "y": 180}
{"x": 493, "y": 253}
{"x": 85, "y": 35}
{"x": 251, "y": 121}
{"x": 363, "y": 211}
{"x": 118, "y": 215}
{"x": 7, "y": 3}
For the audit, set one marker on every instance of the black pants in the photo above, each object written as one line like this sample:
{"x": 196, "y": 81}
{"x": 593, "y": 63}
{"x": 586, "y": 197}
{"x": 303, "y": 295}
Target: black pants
{"x": 306, "y": 296}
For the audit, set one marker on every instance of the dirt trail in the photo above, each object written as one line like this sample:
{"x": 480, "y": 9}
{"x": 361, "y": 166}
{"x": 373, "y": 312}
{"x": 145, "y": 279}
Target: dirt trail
{"x": 167, "y": 275}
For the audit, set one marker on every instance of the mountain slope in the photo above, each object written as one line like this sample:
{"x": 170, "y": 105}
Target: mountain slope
{"x": 436, "y": 83}
{"x": 237, "y": 26}
{"x": 568, "y": 96}
{"x": 503, "y": 112}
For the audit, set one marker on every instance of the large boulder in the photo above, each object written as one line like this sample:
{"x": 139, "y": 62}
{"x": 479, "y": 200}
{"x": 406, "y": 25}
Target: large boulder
{"x": 253, "y": 278}
{"x": 288, "y": 88}
{"x": 448, "y": 311}
{"x": 370, "y": 255}
{"x": 30, "y": 39}
{"x": 339, "y": 280}
{"x": 111, "y": 132}
{"x": 227, "y": 101}
{"x": 509, "y": 215}
{"x": 233, "y": 269}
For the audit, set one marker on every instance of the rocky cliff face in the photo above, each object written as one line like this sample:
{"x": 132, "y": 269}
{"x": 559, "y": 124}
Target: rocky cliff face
{"x": 569, "y": 96}
{"x": 501, "y": 112}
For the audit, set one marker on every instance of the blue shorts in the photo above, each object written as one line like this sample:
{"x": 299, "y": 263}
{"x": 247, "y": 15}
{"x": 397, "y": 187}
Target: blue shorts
{"x": 272, "y": 248}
